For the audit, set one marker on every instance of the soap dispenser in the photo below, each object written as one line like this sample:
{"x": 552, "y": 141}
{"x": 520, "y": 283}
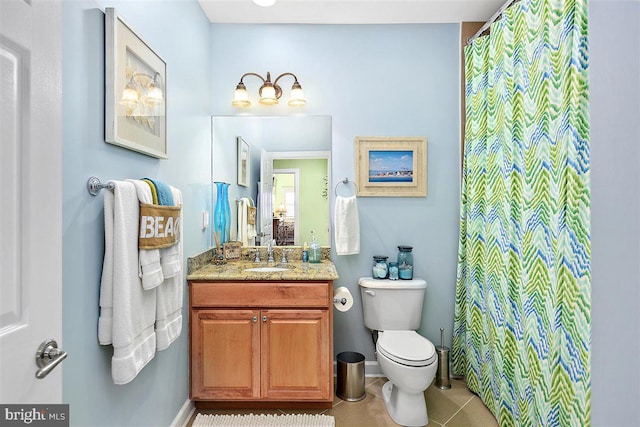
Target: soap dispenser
{"x": 315, "y": 253}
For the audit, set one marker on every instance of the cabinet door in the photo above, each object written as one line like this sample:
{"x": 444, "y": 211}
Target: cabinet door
{"x": 225, "y": 354}
{"x": 296, "y": 363}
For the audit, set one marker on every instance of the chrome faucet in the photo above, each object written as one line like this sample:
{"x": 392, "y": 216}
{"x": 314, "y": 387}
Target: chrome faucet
{"x": 284, "y": 255}
{"x": 257, "y": 258}
{"x": 270, "y": 251}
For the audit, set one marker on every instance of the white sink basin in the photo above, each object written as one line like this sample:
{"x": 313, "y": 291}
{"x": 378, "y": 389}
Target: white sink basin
{"x": 266, "y": 269}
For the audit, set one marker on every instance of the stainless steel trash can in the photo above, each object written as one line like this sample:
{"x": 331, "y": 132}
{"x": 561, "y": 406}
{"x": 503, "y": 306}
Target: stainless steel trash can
{"x": 350, "y": 376}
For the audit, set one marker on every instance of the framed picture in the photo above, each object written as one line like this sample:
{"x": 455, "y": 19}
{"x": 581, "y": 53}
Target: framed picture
{"x": 136, "y": 91}
{"x": 391, "y": 166}
{"x": 244, "y": 158}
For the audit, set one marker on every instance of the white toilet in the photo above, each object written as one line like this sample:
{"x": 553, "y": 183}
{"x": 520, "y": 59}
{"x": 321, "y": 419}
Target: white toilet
{"x": 394, "y": 309}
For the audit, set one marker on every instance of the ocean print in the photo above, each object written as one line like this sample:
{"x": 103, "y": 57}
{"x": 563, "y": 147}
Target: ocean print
{"x": 391, "y": 166}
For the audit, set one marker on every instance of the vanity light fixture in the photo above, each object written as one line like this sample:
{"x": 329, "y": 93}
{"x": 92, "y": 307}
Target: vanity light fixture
{"x": 142, "y": 88}
{"x": 264, "y": 3}
{"x": 269, "y": 92}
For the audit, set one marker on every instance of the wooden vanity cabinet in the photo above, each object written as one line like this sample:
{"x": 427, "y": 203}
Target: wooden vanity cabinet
{"x": 225, "y": 354}
{"x": 261, "y": 342}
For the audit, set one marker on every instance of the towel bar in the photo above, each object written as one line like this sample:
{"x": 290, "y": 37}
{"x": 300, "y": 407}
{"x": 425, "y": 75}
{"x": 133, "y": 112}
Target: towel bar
{"x": 94, "y": 186}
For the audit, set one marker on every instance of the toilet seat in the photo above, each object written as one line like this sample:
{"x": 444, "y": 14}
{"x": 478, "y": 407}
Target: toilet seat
{"x": 406, "y": 347}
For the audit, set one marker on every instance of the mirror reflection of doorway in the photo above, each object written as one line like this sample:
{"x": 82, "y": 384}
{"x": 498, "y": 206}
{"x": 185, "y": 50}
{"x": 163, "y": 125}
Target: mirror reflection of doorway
{"x": 308, "y": 203}
{"x": 285, "y": 206}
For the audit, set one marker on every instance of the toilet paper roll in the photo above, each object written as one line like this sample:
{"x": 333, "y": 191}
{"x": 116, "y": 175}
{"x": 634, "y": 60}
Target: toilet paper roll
{"x": 341, "y": 295}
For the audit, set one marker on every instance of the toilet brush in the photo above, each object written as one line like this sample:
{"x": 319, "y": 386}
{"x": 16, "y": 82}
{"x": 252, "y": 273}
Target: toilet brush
{"x": 442, "y": 375}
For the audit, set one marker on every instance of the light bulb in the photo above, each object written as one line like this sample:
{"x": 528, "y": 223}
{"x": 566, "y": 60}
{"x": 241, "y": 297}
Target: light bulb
{"x": 296, "y": 97}
{"x": 240, "y": 96}
{"x": 264, "y": 3}
{"x": 268, "y": 95}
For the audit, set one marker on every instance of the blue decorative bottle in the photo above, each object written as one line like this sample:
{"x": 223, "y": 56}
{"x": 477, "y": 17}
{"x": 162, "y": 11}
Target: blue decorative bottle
{"x": 222, "y": 213}
{"x": 227, "y": 213}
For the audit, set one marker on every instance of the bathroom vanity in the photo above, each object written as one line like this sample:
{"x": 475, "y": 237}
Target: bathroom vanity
{"x": 261, "y": 338}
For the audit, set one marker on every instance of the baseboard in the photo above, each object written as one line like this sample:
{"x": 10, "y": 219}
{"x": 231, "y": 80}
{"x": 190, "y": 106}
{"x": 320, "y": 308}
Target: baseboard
{"x": 371, "y": 369}
{"x": 184, "y": 414}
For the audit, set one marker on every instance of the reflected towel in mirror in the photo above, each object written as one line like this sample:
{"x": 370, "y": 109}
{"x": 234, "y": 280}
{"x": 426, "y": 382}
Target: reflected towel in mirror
{"x": 246, "y": 231}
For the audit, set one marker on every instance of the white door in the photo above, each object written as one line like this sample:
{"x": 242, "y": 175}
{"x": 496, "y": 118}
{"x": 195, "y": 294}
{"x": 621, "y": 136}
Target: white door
{"x": 265, "y": 201}
{"x": 31, "y": 197}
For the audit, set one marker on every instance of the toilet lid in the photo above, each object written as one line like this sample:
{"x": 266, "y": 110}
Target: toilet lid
{"x": 406, "y": 347}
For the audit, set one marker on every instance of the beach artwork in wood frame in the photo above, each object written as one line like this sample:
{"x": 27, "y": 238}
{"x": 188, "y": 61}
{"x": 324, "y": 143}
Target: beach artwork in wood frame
{"x": 136, "y": 92}
{"x": 391, "y": 166}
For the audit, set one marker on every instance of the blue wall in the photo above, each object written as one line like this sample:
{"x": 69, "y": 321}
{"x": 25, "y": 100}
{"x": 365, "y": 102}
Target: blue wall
{"x": 615, "y": 202}
{"x": 179, "y": 32}
{"x": 373, "y": 80}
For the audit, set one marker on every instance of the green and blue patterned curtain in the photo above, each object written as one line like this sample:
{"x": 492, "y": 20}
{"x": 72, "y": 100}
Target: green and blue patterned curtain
{"x": 523, "y": 295}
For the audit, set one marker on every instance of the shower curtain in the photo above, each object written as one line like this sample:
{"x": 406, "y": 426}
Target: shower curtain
{"x": 523, "y": 298}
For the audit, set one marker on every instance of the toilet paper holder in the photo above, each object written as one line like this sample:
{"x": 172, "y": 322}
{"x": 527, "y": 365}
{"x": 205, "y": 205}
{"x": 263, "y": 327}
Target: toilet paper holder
{"x": 342, "y": 299}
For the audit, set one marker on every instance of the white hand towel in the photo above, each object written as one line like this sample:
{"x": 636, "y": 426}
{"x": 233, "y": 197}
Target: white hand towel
{"x": 127, "y": 311}
{"x": 347, "y": 226}
{"x": 151, "y": 271}
{"x": 170, "y": 293}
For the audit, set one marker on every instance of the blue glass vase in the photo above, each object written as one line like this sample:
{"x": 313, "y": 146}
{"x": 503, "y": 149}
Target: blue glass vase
{"x": 222, "y": 213}
{"x": 227, "y": 213}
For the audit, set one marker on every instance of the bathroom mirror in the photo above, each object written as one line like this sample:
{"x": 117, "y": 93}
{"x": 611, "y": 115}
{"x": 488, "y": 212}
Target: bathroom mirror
{"x": 290, "y": 161}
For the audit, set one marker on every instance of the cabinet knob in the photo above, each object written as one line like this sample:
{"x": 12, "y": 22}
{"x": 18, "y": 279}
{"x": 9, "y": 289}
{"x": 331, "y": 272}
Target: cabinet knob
{"x": 264, "y": 318}
{"x": 255, "y": 319}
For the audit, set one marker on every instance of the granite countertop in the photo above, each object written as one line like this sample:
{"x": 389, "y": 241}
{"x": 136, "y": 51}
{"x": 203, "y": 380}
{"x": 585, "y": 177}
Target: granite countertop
{"x": 236, "y": 270}
{"x": 201, "y": 267}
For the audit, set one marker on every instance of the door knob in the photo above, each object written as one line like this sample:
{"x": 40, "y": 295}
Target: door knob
{"x": 48, "y": 357}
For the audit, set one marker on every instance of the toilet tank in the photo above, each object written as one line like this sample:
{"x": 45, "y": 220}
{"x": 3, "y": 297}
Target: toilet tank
{"x": 392, "y": 304}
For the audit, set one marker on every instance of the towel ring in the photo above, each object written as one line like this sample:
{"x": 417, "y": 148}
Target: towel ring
{"x": 346, "y": 181}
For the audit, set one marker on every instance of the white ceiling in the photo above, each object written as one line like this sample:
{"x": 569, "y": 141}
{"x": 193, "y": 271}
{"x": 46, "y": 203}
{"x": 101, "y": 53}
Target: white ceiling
{"x": 349, "y": 11}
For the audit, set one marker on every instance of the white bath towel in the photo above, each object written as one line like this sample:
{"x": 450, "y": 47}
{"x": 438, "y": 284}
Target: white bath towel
{"x": 170, "y": 293}
{"x": 127, "y": 311}
{"x": 171, "y": 257}
{"x": 347, "y": 226}
{"x": 171, "y": 260}
{"x": 150, "y": 271}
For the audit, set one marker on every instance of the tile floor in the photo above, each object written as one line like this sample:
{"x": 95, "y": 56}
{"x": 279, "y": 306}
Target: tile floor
{"x": 456, "y": 407}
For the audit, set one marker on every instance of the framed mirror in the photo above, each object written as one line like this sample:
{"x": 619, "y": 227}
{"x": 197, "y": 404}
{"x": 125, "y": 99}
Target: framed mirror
{"x": 289, "y": 170}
